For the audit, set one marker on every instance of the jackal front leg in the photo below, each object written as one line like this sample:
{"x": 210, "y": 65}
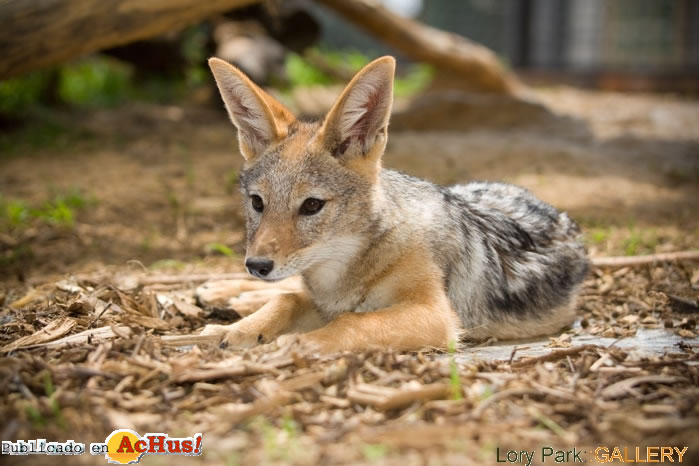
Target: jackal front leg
{"x": 399, "y": 327}
{"x": 285, "y": 313}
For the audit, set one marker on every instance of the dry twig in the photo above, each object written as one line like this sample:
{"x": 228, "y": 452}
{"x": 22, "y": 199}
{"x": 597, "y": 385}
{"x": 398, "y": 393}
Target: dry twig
{"x": 629, "y": 261}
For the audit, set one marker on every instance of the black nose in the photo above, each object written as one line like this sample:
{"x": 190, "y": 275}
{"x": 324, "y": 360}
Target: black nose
{"x": 259, "y": 266}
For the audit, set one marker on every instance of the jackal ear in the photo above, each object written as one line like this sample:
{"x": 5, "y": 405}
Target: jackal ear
{"x": 359, "y": 119}
{"x": 261, "y": 120}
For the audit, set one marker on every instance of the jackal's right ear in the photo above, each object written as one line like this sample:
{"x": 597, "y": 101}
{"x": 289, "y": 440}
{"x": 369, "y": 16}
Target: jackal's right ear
{"x": 261, "y": 120}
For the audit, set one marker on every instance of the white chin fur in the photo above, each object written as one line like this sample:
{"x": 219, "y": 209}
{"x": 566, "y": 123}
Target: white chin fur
{"x": 275, "y": 277}
{"x": 329, "y": 259}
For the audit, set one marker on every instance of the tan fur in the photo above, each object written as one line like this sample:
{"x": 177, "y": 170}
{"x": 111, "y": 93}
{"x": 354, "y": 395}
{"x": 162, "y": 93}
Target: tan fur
{"x": 282, "y": 116}
{"x": 295, "y": 147}
{"x": 370, "y": 165}
{"x": 276, "y": 238}
{"x": 421, "y": 316}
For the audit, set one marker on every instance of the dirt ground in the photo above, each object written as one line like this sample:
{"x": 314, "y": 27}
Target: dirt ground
{"x": 162, "y": 178}
{"x": 162, "y": 201}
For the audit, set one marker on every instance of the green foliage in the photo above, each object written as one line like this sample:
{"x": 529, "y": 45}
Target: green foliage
{"x": 59, "y": 210}
{"x": 53, "y": 401}
{"x": 302, "y": 73}
{"x": 94, "y": 81}
{"x": 35, "y": 416}
{"x": 56, "y": 212}
{"x": 194, "y": 44}
{"x": 352, "y": 59}
{"x": 38, "y": 419}
{"x": 640, "y": 242}
{"x": 17, "y": 94}
{"x": 100, "y": 80}
{"x": 160, "y": 89}
{"x": 629, "y": 240}
{"x": 598, "y": 235}
{"x": 48, "y": 384}
{"x": 279, "y": 443}
{"x": 15, "y": 213}
{"x": 196, "y": 76}
{"x": 374, "y": 452}
{"x": 632, "y": 244}
{"x": 219, "y": 248}
{"x": 76, "y": 199}
{"x": 454, "y": 378}
{"x": 172, "y": 264}
{"x": 290, "y": 426}
{"x": 415, "y": 80}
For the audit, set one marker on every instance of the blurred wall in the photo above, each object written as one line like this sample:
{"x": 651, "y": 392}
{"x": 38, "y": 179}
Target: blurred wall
{"x": 644, "y": 36}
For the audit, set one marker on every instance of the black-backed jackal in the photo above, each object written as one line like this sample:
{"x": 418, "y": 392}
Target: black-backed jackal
{"x": 387, "y": 260}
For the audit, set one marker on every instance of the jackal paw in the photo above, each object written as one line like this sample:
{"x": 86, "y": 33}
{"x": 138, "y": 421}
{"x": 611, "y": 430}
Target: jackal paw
{"x": 232, "y": 336}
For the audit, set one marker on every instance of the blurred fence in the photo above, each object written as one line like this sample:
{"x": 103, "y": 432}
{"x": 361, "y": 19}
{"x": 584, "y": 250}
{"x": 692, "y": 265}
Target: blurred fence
{"x": 643, "y": 37}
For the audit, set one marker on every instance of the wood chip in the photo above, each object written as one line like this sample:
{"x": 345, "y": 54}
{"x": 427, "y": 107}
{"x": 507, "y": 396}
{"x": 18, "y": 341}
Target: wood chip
{"x": 52, "y": 331}
{"x": 384, "y": 398}
{"x": 245, "y": 368}
{"x": 552, "y": 356}
{"x": 187, "y": 309}
{"x": 623, "y": 387}
{"x": 94, "y": 335}
{"x": 630, "y": 261}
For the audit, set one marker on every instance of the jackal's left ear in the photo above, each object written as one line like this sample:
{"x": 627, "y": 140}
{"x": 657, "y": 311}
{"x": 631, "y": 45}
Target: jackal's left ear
{"x": 261, "y": 120}
{"x": 357, "y": 123}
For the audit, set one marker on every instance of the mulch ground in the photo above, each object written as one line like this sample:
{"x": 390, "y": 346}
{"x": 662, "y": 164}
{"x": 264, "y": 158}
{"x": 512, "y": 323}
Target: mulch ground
{"x": 85, "y": 355}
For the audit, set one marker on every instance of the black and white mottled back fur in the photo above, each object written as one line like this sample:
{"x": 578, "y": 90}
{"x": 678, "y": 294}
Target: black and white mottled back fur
{"x": 512, "y": 264}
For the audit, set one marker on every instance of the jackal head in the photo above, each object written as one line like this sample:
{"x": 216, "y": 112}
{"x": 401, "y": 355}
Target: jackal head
{"x": 309, "y": 188}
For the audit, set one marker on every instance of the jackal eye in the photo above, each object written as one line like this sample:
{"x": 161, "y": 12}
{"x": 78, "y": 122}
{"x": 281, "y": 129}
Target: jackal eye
{"x": 257, "y": 203}
{"x": 311, "y": 206}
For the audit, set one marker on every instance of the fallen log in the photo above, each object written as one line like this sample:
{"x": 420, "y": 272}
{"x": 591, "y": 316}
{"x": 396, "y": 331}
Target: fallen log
{"x": 476, "y": 67}
{"x": 37, "y": 34}
{"x": 630, "y": 261}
